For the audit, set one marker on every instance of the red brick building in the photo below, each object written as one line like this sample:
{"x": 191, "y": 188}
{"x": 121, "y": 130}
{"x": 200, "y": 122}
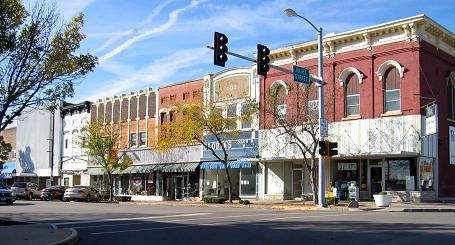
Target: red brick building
{"x": 378, "y": 83}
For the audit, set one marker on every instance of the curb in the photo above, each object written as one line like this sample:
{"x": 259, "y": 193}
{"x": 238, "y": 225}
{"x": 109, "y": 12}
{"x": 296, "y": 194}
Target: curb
{"x": 72, "y": 239}
{"x": 434, "y": 210}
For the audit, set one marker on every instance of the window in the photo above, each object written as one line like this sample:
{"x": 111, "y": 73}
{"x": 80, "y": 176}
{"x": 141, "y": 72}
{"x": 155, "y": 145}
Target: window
{"x": 142, "y": 138}
{"x": 164, "y": 100}
{"x": 400, "y": 175}
{"x": 133, "y": 140}
{"x": 451, "y": 95}
{"x": 172, "y": 116}
{"x": 186, "y": 96}
{"x": 173, "y": 98}
{"x": 163, "y": 118}
{"x": 197, "y": 94}
{"x": 232, "y": 115}
{"x": 66, "y": 143}
{"x": 313, "y": 102}
{"x": 351, "y": 91}
{"x": 280, "y": 104}
{"x": 246, "y": 119}
{"x": 66, "y": 181}
{"x": 426, "y": 173}
{"x": 392, "y": 90}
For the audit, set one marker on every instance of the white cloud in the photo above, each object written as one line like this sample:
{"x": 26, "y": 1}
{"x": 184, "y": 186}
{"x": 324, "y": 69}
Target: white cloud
{"x": 173, "y": 17}
{"x": 152, "y": 75}
{"x": 70, "y": 8}
{"x": 119, "y": 35}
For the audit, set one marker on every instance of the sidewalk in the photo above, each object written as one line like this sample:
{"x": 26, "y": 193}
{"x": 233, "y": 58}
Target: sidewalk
{"x": 31, "y": 234}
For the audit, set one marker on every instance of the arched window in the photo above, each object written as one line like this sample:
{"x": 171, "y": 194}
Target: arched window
{"x": 451, "y": 95}
{"x": 280, "y": 103}
{"x": 391, "y": 86}
{"x": 313, "y": 102}
{"x": 74, "y": 142}
{"x": 352, "y": 96}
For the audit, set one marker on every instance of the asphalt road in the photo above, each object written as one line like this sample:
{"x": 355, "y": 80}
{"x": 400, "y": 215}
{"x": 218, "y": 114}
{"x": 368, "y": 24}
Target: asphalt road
{"x": 104, "y": 223}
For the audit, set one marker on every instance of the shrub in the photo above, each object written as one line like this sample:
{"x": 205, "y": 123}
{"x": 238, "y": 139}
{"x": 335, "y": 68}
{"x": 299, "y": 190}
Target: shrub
{"x": 122, "y": 198}
{"x": 246, "y": 202}
{"x": 214, "y": 199}
{"x": 240, "y": 201}
{"x": 332, "y": 200}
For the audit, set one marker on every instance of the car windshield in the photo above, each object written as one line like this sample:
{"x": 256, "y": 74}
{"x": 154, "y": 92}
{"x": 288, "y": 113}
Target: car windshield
{"x": 56, "y": 187}
{"x": 19, "y": 184}
{"x": 2, "y": 186}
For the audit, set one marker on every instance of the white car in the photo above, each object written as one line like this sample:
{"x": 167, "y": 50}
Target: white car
{"x": 81, "y": 193}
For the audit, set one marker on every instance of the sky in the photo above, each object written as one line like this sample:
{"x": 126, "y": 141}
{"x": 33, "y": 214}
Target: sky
{"x": 149, "y": 43}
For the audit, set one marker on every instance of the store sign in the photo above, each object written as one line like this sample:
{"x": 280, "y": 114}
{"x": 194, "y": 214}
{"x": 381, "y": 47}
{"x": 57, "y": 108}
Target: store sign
{"x": 346, "y": 166}
{"x": 245, "y": 145}
{"x": 137, "y": 182}
{"x": 431, "y": 120}
{"x": 451, "y": 145}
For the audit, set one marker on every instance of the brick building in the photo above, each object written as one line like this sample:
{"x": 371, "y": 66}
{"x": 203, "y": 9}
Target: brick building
{"x": 8, "y": 168}
{"x": 378, "y": 83}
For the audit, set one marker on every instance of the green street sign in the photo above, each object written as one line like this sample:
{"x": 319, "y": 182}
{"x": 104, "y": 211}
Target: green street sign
{"x": 301, "y": 75}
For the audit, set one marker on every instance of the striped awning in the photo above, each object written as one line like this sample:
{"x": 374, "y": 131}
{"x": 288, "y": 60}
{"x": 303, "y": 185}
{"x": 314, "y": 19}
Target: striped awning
{"x": 231, "y": 164}
{"x": 180, "y": 167}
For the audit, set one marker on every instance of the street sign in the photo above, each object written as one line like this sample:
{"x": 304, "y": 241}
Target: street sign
{"x": 301, "y": 75}
{"x": 324, "y": 130}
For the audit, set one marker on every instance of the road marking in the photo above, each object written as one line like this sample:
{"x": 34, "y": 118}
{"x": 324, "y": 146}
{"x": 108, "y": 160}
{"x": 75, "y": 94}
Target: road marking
{"x": 215, "y": 223}
{"x": 179, "y": 220}
{"x": 126, "y": 219}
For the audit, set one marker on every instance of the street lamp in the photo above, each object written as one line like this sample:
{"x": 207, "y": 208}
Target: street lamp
{"x": 321, "y": 194}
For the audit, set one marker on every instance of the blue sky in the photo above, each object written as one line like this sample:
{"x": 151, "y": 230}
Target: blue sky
{"x": 149, "y": 43}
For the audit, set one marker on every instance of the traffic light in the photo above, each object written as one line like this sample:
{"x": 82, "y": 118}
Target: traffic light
{"x": 220, "y": 49}
{"x": 332, "y": 149}
{"x": 323, "y": 148}
{"x": 263, "y": 59}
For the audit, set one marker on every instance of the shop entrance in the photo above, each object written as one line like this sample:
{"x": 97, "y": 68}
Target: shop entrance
{"x": 376, "y": 179}
{"x": 181, "y": 184}
{"x": 297, "y": 187}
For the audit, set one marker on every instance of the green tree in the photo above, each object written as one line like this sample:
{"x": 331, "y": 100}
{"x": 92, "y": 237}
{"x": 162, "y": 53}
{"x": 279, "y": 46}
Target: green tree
{"x": 102, "y": 145}
{"x": 5, "y": 149}
{"x": 39, "y": 62}
{"x": 193, "y": 120}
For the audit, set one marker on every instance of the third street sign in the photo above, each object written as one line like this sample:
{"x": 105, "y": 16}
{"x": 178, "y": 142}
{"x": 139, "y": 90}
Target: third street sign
{"x": 301, "y": 75}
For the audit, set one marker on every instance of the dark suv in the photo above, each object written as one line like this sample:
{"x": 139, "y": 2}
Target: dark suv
{"x": 6, "y": 195}
{"x": 27, "y": 190}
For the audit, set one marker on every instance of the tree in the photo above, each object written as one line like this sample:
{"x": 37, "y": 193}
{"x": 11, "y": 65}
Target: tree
{"x": 195, "y": 120}
{"x": 294, "y": 112}
{"x": 102, "y": 144}
{"x": 5, "y": 149}
{"x": 38, "y": 60}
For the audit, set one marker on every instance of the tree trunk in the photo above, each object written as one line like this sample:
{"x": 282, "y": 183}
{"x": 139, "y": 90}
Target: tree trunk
{"x": 229, "y": 181}
{"x": 111, "y": 191}
{"x": 313, "y": 182}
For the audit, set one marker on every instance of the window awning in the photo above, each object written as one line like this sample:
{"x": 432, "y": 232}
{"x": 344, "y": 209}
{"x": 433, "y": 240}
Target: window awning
{"x": 231, "y": 164}
{"x": 180, "y": 167}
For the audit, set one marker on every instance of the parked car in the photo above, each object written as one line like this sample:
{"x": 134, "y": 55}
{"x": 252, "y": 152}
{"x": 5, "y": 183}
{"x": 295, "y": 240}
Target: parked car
{"x": 6, "y": 195}
{"x": 81, "y": 193}
{"x": 27, "y": 190}
{"x": 53, "y": 192}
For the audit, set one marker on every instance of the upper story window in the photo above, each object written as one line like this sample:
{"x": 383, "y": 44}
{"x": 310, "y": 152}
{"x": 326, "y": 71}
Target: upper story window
{"x": 142, "y": 138}
{"x": 164, "y": 100}
{"x": 133, "y": 140}
{"x": 352, "y": 96}
{"x": 313, "y": 102}
{"x": 451, "y": 95}
{"x": 392, "y": 90}
{"x": 245, "y": 121}
{"x": 231, "y": 113}
{"x": 172, "y": 116}
{"x": 163, "y": 118}
{"x": 280, "y": 104}
{"x": 186, "y": 95}
{"x": 197, "y": 94}
{"x": 173, "y": 98}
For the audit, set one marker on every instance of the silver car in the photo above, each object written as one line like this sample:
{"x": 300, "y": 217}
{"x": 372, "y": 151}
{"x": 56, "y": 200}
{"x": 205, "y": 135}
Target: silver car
{"x": 81, "y": 193}
{"x": 27, "y": 190}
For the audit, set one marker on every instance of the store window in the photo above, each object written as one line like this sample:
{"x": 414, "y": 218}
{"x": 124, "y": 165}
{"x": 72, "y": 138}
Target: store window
{"x": 426, "y": 173}
{"x": 400, "y": 175}
{"x": 216, "y": 183}
{"x": 248, "y": 181}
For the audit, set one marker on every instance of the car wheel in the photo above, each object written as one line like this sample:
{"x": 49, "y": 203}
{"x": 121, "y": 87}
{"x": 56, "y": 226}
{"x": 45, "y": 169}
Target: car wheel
{"x": 66, "y": 199}
{"x": 88, "y": 199}
{"x": 30, "y": 196}
{"x": 9, "y": 203}
{"x": 62, "y": 199}
{"x": 42, "y": 199}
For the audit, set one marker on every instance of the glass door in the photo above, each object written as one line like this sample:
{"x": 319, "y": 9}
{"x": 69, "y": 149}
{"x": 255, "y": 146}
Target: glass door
{"x": 297, "y": 180}
{"x": 376, "y": 179}
{"x": 178, "y": 187}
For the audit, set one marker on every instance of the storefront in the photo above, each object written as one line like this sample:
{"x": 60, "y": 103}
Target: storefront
{"x": 242, "y": 167}
{"x": 8, "y": 173}
{"x": 405, "y": 177}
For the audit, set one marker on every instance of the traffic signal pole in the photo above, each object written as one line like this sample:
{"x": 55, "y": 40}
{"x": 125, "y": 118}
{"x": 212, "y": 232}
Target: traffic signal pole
{"x": 255, "y": 61}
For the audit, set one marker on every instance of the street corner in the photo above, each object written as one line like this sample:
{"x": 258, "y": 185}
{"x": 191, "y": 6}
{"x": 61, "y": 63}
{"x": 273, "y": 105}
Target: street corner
{"x": 38, "y": 234}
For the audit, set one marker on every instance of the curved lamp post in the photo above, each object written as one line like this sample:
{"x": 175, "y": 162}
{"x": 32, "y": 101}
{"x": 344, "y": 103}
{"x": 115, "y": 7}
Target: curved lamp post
{"x": 321, "y": 193}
